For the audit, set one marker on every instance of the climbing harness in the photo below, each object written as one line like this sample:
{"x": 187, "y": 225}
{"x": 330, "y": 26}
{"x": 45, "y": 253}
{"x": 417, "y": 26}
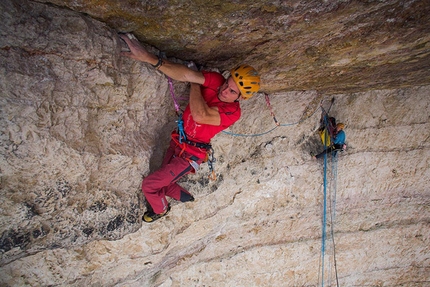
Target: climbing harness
{"x": 180, "y": 138}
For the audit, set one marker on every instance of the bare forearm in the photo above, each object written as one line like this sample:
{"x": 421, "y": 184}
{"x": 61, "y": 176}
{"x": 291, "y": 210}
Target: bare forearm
{"x": 173, "y": 70}
{"x": 180, "y": 72}
{"x": 198, "y": 105}
{"x": 200, "y": 110}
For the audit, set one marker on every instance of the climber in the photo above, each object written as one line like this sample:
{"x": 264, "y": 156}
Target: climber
{"x": 213, "y": 106}
{"x": 337, "y": 141}
{"x": 327, "y": 125}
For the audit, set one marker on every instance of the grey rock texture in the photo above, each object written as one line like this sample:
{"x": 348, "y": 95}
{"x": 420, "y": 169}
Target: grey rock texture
{"x": 73, "y": 126}
{"x": 81, "y": 126}
{"x": 333, "y": 46}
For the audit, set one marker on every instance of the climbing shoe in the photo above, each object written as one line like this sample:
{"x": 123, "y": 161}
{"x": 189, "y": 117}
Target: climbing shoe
{"x": 185, "y": 197}
{"x": 151, "y": 216}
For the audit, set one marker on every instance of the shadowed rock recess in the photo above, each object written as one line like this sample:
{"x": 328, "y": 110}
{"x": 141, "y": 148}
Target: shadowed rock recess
{"x": 81, "y": 126}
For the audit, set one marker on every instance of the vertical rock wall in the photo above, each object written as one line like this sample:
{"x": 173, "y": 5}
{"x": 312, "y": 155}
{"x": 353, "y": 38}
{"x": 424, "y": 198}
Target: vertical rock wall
{"x": 78, "y": 129}
{"x": 80, "y": 126}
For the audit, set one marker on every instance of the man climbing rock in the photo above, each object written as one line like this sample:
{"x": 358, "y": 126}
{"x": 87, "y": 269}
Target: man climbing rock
{"x": 337, "y": 141}
{"x": 213, "y": 106}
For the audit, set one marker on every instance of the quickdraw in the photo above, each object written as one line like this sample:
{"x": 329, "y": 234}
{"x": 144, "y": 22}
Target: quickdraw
{"x": 181, "y": 132}
{"x": 270, "y": 108}
{"x": 180, "y": 121}
{"x": 211, "y": 162}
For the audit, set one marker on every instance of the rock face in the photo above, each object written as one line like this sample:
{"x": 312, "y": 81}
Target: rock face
{"x": 334, "y": 46}
{"x": 81, "y": 126}
{"x": 73, "y": 126}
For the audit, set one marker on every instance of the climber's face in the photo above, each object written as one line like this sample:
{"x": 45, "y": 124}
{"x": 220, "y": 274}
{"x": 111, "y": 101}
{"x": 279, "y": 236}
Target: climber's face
{"x": 229, "y": 92}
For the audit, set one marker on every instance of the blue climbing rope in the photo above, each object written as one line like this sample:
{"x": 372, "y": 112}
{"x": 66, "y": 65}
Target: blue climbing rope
{"x": 324, "y": 223}
{"x": 180, "y": 121}
{"x": 181, "y": 132}
{"x": 333, "y": 211}
{"x": 333, "y": 189}
{"x": 275, "y": 120}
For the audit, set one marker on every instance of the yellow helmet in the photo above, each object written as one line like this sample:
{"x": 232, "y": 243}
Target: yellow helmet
{"x": 246, "y": 79}
{"x": 340, "y": 126}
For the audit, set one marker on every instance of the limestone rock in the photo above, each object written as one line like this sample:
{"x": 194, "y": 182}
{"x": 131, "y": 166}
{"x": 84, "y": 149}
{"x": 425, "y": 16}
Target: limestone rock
{"x": 333, "y": 46}
{"x": 81, "y": 125}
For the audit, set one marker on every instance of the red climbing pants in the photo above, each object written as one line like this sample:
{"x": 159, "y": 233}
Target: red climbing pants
{"x": 162, "y": 182}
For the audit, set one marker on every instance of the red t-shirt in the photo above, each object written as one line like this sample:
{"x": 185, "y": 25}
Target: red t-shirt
{"x": 229, "y": 113}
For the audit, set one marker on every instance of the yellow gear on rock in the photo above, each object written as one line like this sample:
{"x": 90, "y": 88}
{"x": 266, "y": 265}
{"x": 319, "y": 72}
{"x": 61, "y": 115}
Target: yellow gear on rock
{"x": 246, "y": 79}
{"x": 325, "y": 137}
